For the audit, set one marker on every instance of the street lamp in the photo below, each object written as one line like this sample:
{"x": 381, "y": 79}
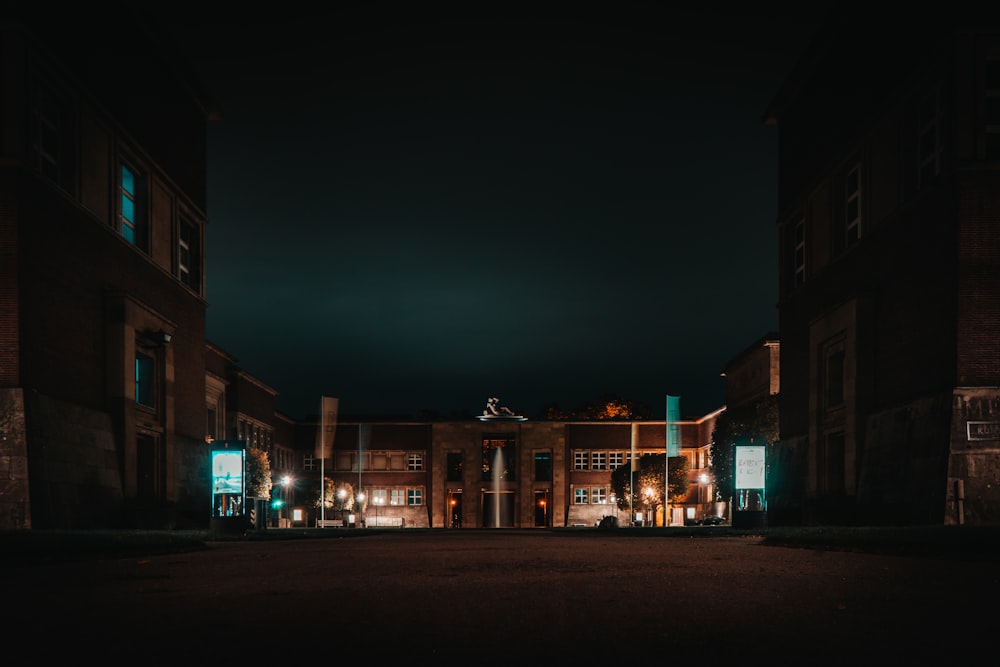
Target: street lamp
{"x": 648, "y": 493}
{"x": 285, "y": 482}
{"x": 545, "y": 514}
{"x": 612, "y": 500}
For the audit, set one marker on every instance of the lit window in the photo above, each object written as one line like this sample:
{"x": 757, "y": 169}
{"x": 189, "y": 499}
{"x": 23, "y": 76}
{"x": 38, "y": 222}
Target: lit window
{"x": 145, "y": 393}
{"x": 132, "y": 215}
{"x": 397, "y": 497}
{"x": 598, "y": 496}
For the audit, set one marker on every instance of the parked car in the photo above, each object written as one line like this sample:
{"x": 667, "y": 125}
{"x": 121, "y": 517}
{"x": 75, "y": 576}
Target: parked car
{"x": 713, "y": 520}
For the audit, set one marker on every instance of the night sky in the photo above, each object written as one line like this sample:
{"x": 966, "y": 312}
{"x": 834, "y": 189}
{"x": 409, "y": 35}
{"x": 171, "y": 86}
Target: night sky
{"x": 415, "y": 214}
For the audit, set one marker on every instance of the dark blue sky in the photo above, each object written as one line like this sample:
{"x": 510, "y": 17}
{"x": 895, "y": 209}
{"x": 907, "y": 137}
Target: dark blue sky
{"x": 419, "y": 214}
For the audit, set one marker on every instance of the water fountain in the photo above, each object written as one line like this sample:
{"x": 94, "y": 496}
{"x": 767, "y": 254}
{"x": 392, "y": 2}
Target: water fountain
{"x": 497, "y": 477}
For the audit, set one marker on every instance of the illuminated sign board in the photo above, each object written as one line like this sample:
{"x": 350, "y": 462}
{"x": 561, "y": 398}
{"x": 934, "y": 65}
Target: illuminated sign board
{"x": 750, "y": 467}
{"x": 228, "y": 471}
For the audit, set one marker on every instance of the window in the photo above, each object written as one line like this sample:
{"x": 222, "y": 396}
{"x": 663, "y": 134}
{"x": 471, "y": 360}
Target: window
{"x": 499, "y": 457}
{"x": 852, "y": 194}
{"x": 992, "y": 103}
{"x": 308, "y": 461}
{"x": 543, "y": 467}
{"x": 598, "y": 460}
{"x": 454, "y": 473}
{"x": 379, "y": 497}
{"x": 580, "y": 460}
{"x": 145, "y": 380}
{"x": 799, "y": 254}
{"x": 616, "y": 460}
{"x": 52, "y": 144}
{"x": 599, "y": 496}
{"x": 397, "y": 497}
{"x": 414, "y": 497}
{"x": 833, "y": 374}
{"x": 581, "y": 496}
{"x": 189, "y": 255}
{"x": 415, "y": 461}
{"x": 132, "y": 208}
{"x": 930, "y": 143}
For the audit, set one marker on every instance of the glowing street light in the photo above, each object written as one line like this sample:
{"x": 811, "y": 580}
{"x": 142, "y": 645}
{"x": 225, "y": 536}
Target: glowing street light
{"x": 648, "y": 493}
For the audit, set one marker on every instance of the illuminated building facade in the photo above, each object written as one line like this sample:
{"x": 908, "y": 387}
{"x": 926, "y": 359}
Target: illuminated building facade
{"x": 523, "y": 474}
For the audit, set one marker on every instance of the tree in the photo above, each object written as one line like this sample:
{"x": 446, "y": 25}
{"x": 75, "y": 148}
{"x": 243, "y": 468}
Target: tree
{"x": 337, "y": 496}
{"x": 606, "y": 408}
{"x": 258, "y": 484}
{"x": 756, "y": 421}
{"x": 648, "y": 480}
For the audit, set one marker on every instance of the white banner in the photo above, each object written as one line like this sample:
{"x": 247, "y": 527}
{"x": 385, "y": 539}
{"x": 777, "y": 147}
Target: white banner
{"x": 327, "y": 426}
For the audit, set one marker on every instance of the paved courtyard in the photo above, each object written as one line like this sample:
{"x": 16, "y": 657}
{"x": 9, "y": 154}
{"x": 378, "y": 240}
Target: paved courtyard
{"x": 497, "y": 596}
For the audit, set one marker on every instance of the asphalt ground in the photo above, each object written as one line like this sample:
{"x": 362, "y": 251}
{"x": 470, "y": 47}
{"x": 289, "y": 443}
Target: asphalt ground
{"x": 952, "y": 542}
{"x": 818, "y": 596}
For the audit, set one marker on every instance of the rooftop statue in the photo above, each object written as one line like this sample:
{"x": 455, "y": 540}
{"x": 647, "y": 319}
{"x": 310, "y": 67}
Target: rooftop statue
{"x": 496, "y": 411}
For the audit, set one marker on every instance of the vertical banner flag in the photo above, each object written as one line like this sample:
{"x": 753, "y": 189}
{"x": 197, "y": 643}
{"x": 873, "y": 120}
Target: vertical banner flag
{"x": 327, "y": 426}
{"x": 673, "y": 427}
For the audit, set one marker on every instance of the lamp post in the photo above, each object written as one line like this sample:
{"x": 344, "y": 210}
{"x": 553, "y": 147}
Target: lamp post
{"x": 545, "y": 513}
{"x": 648, "y": 493}
{"x": 611, "y": 499}
{"x": 285, "y": 483}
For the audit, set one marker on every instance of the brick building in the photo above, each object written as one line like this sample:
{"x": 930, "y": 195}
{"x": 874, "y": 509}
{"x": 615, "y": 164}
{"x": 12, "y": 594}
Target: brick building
{"x": 444, "y": 474}
{"x": 889, "y": 285}
{"x": 102, "y": 295}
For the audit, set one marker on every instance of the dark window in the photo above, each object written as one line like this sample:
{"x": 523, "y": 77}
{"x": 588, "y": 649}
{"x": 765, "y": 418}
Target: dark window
{"x": 454, "y": 466}
{"x": 189, "y": 255}
{"x": 835, "y": 378}
{"x": 543, "y": 467}
{"x": 930, "y": 140}
{"x": 852, "y": 194}
{"x": 799, "y": 262}
{"x": 52, "y": 141}
{"x": 992, "y": 113}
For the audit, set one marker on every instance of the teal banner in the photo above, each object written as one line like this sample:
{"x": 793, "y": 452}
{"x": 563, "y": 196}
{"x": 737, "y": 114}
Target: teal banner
{"x": 673, "y": 426}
